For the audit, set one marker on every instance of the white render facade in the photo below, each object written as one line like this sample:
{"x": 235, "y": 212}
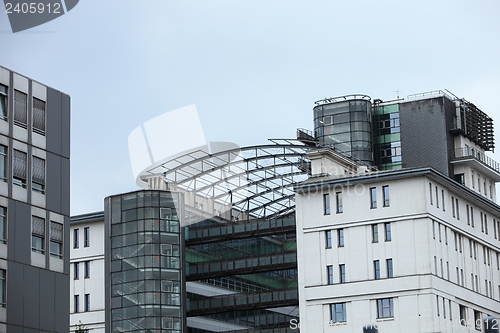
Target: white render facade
{"x": 87, "y": 294}
{"x": 441, "y": 239}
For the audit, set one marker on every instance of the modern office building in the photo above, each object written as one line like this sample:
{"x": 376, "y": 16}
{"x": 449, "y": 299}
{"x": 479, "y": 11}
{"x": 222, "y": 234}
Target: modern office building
{"x": 355, "y": 225}
{"x": 34, "y": 205}
{"x": 414, "y": 248}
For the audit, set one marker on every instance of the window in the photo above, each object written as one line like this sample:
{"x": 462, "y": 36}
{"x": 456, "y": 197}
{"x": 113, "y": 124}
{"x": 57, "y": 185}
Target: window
{"x": 3, "y": 101}
{"x": 433, "y": 229}
{"x": 460, "y": 178}
{"x": 20, "y": 109}
{"x": 86, "y": 236}
{"x": 87, "y": 269}
{"x": 385, "y": 195}
{"x": 387, "y": 227}
{"x": 437, "y": 197}
{"x": 385, "y": 308}
{"x": 373, "y": 197}
{"x": 3, "y": 163}
{"x": 167, "y": 286}
{"x": 37, "y": 234}
{"x": 472, "y": 179}
{"x": 449, "y": 308}
{"x": 442, "y": 199}
{"x": 56, "y": 239}
{"x": 430, "y": 193}
{"x": 38, "y": 116}
{"x": 326, "y": 203}
{"x": 390, "y": 272}
{"x": 38, "y": 176}
{"x": 3, "y": 225}
{"x": 468, "y": 214}
{"x": 375, "y": 233}
{"x": 338, "y": 313}
{"x": 3, "y": 298}
{"x": 338, "y": 199}
{"x": 376, "y": 269}
{"x": 453, "y": 206}
{"x": 19, "y": 168}
{"x": 87, "y": 302}
{"x": 328, "y": 238}
{"x": 477, "y": 320}
{"x": 458, "y": 208}
{"x": 463, "y": 315}
{"x": 340, "y": 234}
{"x": 76, "y": 273}
{"x": 437, "y": 304}
{"x": 342, "y": 273}
{"x": 77, "y": 303}
{"x": 329, "y": 270}
{"x": 76, "y": 238}
{"x": 472, "y": 216}
{"x": 167, "y": 323}
{"x": 485, "y": 224}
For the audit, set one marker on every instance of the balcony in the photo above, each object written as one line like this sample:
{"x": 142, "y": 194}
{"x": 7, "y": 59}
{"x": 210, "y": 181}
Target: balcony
{"x": 477, "y": 160}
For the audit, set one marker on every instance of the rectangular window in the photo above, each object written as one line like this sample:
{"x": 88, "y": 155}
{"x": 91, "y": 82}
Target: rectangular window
{"x": 385, "y": 195}
{"x": 338, "y": 199}
{"x": 4, "y": 91}
{"x": 485, "y": 224}
{"x": 3, "y": 163}
{"x": 19, "y": 168}
{"x": 463, "y": 315}
{"x": 38, "y": 116}
{"x": 329, "y": 272}
{"x": 20, "y": 109}
{"x": 328, "y": 238}
{"x": 373, "y": 197}
{"x": 385, "y": 308}
{"x": 37, "y": 234}
{"x": 442, "y": 199}
{"x": 87, "y": 269}
{"x": 472, "y": 216}
{"x": 449, "y": 308}
{"x": 430, "y": 193}
{"x": 453, "y": 206}
{"x": 86, "y": 237}
{"x": 477, "y": 320}
{"x": 390, "y": 271}
{"x": 338, "y": 312}
{"x": 468, "y": 214}
{"x": 76, "y": 236}
{"x": 437, "y": 197}
{"x": 342, "y": 273}
{"x": 388, "y": 236}
{"x": 3, "y": 278}
{"x": 326, "y": 203}
{"x": 375, "y": 233}
{"x": 3, "y": 225}
{"x": 76, "y": 270}
{"x": 458, "y": 208}
{"x": 437, "y": 304}
{"x": 56, "y": 239}
{"x": 433, "y": 229}
{"x": 482, "y": 222}
{"x": 87, "y": 302}
{"x": 77, "y": 303}
{"x": 340, "y": 234}
{"x": 38, "y": 176}
{"x": 376, "y": 269}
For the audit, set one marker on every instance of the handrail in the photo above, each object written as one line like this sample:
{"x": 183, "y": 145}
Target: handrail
{"x": 478, "y": 155}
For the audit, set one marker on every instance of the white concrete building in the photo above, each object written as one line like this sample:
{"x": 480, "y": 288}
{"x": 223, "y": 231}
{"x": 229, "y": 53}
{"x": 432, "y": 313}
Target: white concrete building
{"x": 87, "y": 305}
{"x": 409, "y": 250}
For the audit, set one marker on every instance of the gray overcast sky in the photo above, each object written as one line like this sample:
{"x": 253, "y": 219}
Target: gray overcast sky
{"x": 253, "y": 67}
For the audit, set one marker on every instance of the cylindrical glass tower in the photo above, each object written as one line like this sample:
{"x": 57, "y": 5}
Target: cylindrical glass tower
{"x": 345, "y": 123}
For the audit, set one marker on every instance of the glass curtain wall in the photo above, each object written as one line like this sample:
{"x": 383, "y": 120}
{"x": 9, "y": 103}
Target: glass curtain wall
{"x": 146, "y": 262}
{"x": 387, "y": 137}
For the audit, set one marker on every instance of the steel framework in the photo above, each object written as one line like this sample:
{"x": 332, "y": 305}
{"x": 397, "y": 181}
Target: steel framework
{"x": 254, "y": 182}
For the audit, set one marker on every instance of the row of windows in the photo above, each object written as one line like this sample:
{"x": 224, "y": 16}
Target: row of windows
{"x": 38, "y": 237}
{"x": 76, "y": 270}
{"x": 376, "y": 271}
{"x": 375, "y": 235}
{"x": 76, "y": 237}
{"x": 21, "y": 109}
{"x": 385, "y": 309}
{"x": 339, "y": 207}
{"x": 19, "y": 169}
{"x": 473, "y": 183}
{"x": 77, "y": 303}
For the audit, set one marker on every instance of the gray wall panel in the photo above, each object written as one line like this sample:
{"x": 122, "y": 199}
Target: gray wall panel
{"x": 65, "y": 186}
{"x": 47, "y": 311}
{"x": 61, "y": 302}
{"x": 15, "y": 294}
{"x": 424, "y": 135}
{"x": 14, "y": 329}
{"x": 31, "y": 296}
{"x": 22, "y": 224}
{"x": 53, "y": 133}
{"x": 65, "y": 126}
{"x": 53, "y": 190}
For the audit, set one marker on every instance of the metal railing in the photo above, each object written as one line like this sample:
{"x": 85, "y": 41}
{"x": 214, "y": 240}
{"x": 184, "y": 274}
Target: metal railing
{"x": 468, "y": 152}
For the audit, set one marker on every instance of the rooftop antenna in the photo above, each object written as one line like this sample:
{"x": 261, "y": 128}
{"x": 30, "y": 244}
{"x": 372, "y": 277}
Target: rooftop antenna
{"x": 397, "y": 91}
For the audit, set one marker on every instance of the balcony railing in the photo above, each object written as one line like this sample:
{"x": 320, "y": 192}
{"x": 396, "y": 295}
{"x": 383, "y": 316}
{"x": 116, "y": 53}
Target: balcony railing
{"x": 468, "y": 152}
